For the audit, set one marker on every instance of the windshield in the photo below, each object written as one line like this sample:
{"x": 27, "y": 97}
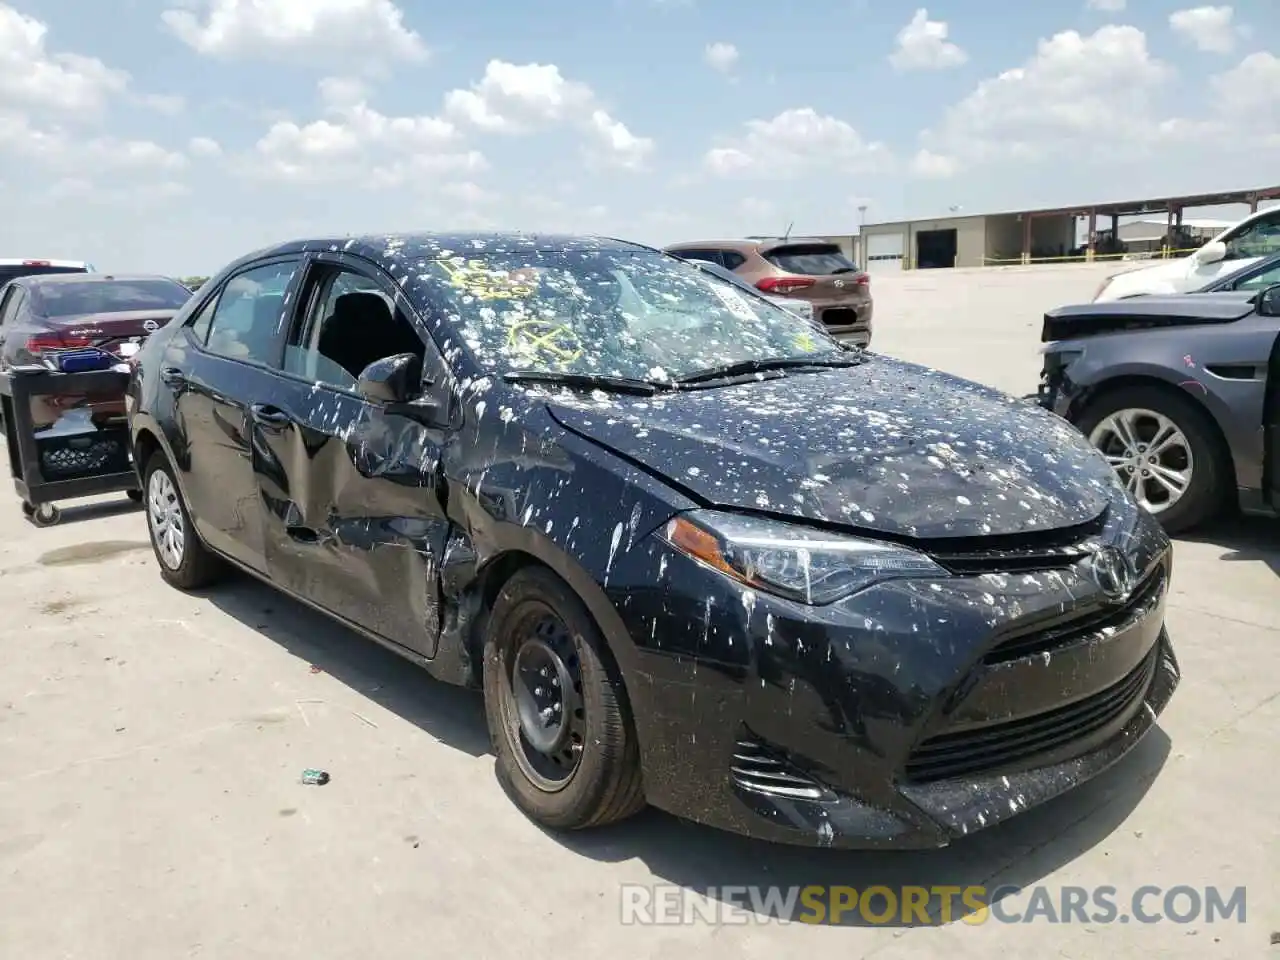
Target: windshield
{"x": 108, "y": 296}
{"x": 811, "y": 259}
{"x": 637, "y": 314}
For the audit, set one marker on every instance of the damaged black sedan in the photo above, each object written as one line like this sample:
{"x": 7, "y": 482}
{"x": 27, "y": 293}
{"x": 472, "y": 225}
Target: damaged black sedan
{"x": 694, "y": 551}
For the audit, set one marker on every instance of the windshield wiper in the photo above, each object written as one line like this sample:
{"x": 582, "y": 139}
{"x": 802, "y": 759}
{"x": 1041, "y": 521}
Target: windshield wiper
{"x": 588, "y": 381}
{"x": 844, "y": 270}
{"x": 747, "y": 367}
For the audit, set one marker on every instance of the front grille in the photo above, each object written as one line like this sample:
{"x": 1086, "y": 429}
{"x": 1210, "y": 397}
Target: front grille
{"x": 840, "y": 317}
{"x": 1112, "y": 618}
{"x": 1019, "y": 552}
{"x": 991, "y": 747}
{"x": 757, "y": 768}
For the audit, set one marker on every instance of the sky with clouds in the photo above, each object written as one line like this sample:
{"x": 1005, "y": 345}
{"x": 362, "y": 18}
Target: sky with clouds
{"x": 174, "y": 135}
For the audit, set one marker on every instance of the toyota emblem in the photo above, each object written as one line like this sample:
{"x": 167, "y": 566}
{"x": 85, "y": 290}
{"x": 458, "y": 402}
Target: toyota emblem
{"x": 150, "y": 326}
{"x": 1113, "y": 572}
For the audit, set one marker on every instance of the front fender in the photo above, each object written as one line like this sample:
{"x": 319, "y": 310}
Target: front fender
{"x": 1089, "y": 375}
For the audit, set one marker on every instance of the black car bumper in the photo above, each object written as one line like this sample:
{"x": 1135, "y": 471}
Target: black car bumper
{"x": 906, "y": 716}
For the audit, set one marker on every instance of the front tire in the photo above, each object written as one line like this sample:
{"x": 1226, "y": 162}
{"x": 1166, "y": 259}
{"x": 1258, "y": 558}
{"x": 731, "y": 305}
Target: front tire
{"x": 556, "y": 708}
{"x": 1166, "y": 450}
{"x": 185, "y": 562}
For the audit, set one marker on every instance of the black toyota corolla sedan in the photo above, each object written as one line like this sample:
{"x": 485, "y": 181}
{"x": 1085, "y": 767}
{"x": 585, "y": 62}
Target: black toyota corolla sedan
{"x": 695, "y": 552}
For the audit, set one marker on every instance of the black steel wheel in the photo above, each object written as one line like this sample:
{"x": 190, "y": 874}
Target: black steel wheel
{"x": 544, "y": 699}
{"x": 557, "y": 710}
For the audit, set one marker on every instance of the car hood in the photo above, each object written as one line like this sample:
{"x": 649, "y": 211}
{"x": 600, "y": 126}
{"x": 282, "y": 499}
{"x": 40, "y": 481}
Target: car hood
{"x": 1155, "y": 312}
{"x": 885, "y": 447}
{"x": 1166, "y": 277}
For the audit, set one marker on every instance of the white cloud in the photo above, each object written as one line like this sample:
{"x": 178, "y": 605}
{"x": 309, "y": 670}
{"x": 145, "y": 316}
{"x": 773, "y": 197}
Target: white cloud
{"x": 522, "y": 98}
{"x": 517, "y": 98}
{"x": 616, "y": 145}
{"x": 371, "y": 31}
{"x": 792, "y": 141}
{"x": 721, "y": 56}
{"x": 1108, "y": 6}
{"x": 204, "y": 147}
{"x": 469, "y": 193}
{"x": 170, "y": 104}
{"x": 1208, "y": 28}
{"x": 933, "y": 166}
{"x": 1249, "y": 93}
{"x": 357, "y": 143}
{"x": 31, "y": 77}
{"x": 1076, "y": 93}
{"x": 923, "y": 45}
{"x": 56, "y": 149}
{"x": 84, "y": 191}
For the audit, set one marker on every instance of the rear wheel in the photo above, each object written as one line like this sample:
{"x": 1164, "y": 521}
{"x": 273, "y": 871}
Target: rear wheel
{"x": 557, "y": 712}
{"x": 1165, "y": 449}
{"x": 185, "y": 562}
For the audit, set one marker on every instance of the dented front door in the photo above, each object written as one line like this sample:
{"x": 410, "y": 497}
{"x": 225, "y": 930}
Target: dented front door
{"x": 353, "y": 521}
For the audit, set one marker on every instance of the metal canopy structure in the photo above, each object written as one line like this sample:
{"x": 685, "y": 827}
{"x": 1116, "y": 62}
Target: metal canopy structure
{"x": 1137, "y": 208}
{"x": 1172, "y": 207}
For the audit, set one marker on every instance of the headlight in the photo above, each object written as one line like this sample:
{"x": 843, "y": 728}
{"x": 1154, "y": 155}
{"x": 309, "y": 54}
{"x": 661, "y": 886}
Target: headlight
{"x": 792, "y": 561}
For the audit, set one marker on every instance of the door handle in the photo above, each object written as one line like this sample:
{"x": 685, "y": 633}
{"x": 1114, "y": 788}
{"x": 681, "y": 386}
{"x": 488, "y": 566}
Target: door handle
{"x": 173, "y": 377}
{"x": 266, "y": 415}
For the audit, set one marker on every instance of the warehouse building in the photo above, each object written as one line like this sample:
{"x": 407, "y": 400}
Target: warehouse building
{"x": 1059, "y": 234}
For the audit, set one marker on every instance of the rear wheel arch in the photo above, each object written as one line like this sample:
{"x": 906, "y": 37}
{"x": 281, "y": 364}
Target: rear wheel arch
{"x": 145, "y": 445}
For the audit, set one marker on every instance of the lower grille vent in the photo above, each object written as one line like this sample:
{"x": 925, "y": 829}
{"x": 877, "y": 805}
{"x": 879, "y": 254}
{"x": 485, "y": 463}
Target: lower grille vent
{"x": 991, "y": 747}
{"x": 756, "y": 768}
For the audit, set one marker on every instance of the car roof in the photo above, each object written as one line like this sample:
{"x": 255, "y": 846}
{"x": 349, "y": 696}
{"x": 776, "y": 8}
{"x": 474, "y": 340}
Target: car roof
{"x": 747, "y": 243}
{"x": 390, "y": 249}
{"x": 37, "y": 262}
{"x": 54, "y": 279}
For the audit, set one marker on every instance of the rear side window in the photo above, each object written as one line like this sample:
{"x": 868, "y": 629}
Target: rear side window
{"x": 246, "y": 322}
{"x": 1266, "y": 278}
{"x": 811, "y": 259}
{"x": 59, "y": 299}
{"x": 732, "y": 259}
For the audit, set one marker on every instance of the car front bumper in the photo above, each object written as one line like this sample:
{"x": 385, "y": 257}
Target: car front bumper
{"x": 908, "y": 715}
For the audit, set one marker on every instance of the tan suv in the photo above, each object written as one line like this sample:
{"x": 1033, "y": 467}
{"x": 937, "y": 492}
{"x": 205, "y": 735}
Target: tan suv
{"x": 800, "y": 267}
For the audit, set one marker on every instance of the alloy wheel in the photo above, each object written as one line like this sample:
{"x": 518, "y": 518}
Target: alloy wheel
{"x": 164, "y": 516}
{"x": 1150, "y": 453}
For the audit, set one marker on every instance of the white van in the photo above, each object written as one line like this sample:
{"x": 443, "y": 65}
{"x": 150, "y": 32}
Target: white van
{"x": 1254, "y": 237}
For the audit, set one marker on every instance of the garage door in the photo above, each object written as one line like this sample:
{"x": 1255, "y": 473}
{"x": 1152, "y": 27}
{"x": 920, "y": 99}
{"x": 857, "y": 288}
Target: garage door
{"x": 885, "y": 252}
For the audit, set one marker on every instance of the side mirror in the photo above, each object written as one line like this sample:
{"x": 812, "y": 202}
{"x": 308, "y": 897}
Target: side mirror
{"x": 392, "y": 380}
{"x": 1213, "y": 252}
{"x": 1268, "y": 302}
{"x": 395, "y": 384}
